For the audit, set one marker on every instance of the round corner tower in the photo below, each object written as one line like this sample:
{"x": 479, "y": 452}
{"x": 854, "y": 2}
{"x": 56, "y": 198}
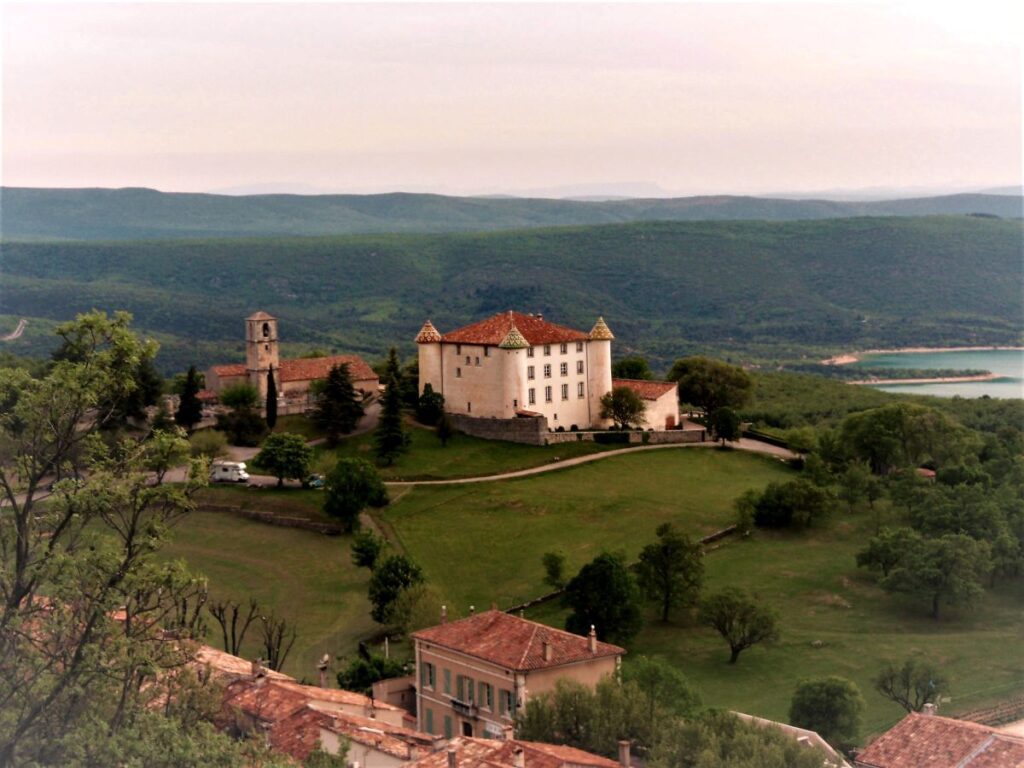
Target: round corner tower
{"x": 429, "y": 342}
{"x": 261, "y": 352}
{"x": 599, "y": 367}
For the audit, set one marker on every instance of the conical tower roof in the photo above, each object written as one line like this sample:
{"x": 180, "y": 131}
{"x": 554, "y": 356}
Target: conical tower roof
{"x": 428, "y": 334}
{"x": 600, "y": 331}
{"x": 514, "y": 339}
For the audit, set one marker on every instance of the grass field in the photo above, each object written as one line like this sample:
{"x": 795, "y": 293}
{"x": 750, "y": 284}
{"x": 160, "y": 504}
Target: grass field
{"x": 483, "y": 542}
{"x": 303, "y": 576}
{"x": 464, "y": 456}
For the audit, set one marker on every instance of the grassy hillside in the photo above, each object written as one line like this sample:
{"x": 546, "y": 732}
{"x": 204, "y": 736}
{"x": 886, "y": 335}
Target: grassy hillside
{"x": 767, "y": 290}
{"x": 105, "y": 214}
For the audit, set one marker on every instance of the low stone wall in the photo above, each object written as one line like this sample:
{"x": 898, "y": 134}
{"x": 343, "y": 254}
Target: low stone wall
{"x": 268, "y": 517}
{"x": 656, "y": 437}
{"x": 531, "y": 431}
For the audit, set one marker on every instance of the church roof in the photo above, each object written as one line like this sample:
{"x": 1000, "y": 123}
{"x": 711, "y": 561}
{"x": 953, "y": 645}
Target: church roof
{"x": 428, "y": 334}
{"x": 533, "y": 328}
{"x": 307, "y": 368}
{"x": 261, "y": 315}
{"x": 600, "y": 331}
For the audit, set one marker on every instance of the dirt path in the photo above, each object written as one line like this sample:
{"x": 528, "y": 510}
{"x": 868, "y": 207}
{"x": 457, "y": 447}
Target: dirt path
{"x": 744, "y": 444}
{"x": 16, "y": 333}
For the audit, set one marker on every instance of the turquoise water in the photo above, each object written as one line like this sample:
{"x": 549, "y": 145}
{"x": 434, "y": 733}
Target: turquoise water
{"x": 1008, "y": 363}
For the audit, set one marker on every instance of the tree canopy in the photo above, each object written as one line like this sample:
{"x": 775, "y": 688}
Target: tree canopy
{"x": 623, "y": 406}
{"x": 352, "y": 485}
{"x": 671, "y": 570}
{"x": 632, "y": 367}
{"x": 338, "y": 405}
{"x": 831, "y": 706}
{"x": 711, "y": 384}
{"x": 604, "y": 595}
{"x": 285, "y": 455}
{"x": 742, "y": 621}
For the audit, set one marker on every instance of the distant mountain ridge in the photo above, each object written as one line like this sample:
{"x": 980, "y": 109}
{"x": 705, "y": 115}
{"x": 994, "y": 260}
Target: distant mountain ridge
{"x": 31, "y": 214}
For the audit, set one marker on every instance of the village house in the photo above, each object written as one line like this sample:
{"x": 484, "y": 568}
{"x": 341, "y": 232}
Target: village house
{"x": 926, "y": 739}
{"x": 474, "y": 674}
{"x": 467, "y": 752}
{"x": 292, "y": 377}
{"x": 661, "y": 399}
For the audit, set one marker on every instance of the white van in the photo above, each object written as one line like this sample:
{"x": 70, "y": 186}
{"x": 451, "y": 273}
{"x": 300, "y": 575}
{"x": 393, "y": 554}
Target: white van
{"x": 228, "y": 472}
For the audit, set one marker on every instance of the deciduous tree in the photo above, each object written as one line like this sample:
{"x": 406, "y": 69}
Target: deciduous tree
{"x": 285, "y": 455}
{"x": 912, "y": 684}
{"x": 711, "y": 384}
{"x": 632, "y": 367}
{"x": 366, "y": 549}
{"x": 352, "y": 485}
{"x": 742, "y": 621}
{"x": 948, "y": 570}
{"x": 604, "y": 595}
{"x": 389, "y": 580}
{"x": 671, "y": 570}
{"x": 831, "y": 706}
{"x": 623, "y": 406}
{"x": 724, "y": 424}
{"x": 430, "y": 406}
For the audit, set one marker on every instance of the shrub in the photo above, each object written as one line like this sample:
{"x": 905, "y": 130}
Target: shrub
{"x": 208, "y": 442}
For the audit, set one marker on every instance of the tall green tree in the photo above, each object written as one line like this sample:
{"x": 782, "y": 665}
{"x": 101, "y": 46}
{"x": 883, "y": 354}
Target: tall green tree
{"x": 390, "y": 439}
{"x": 831, "y": 706}
{"x": 271, "y": 407}
{"x": 190, "y": 409}
{"x": 604, "y": 595}
{"x": 798, "y": 503}
{"x": 389, "y": 580}
{"x": 242, "y": 424}
{"x": 623, "y": 406}
{"x": 671, "y": 570}
{"x": 352, "y": 485}
{"x": 632, "y": 367}
{"x": 742, "y": 621}
{"x": 366, "y": 549}
{"x": 338, "y": 406}
{"x": 285, "y": 455}
{"x": 663, "y": 686}
{"x": 912, "y": 684}
{"x": 711, "y": 384}
{"x": 724, "y": 424}
{"x": 948, "y": 570}
{"x": 885, "y": 550}
{"x": 430, "y": 406}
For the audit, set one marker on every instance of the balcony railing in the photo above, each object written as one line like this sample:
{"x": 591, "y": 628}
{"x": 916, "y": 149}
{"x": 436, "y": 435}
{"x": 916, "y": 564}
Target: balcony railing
{"x": 464, "y": 708}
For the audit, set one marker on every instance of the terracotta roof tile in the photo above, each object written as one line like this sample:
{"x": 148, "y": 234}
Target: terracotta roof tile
{"x": 307, "y": 368}
{"x": 299, "y": 734}
{"x": 512, "y": 642}
{"x": 231, "y": 369}
{"x": 487, "y": 753}
{"x": 493, "y": 330}
{"x": 335, "y": 696}
{"x": 648, "y": 390}
{"x": 942, "y": 742}
{"x": 265, "y": 701}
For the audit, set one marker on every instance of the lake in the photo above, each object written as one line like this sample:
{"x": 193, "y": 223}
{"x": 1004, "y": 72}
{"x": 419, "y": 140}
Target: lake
{"x": 1008, "y": 363}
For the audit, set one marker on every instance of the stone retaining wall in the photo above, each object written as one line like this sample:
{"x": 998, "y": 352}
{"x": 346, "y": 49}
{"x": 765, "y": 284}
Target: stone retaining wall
{"x": 328, "y": 529}
{"x": 530, "y": 431}
{"x": 656, "y": 437}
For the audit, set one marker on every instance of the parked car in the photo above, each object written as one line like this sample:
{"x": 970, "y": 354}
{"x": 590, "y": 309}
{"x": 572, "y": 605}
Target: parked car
{"x": 314, "y": 481}
{"x": 228, "y": 472}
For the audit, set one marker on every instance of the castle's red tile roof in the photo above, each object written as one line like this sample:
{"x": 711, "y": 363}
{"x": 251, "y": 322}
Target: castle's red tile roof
{"x": 942, "y": 742}
{"x": 513, "y": 643}
{"x": 493, "y": 330}
{"x": 299, "y": 734}
{"x": 307, "y": 368}
{"x": 488, "y": 753}
{"x": 648, "y": 390}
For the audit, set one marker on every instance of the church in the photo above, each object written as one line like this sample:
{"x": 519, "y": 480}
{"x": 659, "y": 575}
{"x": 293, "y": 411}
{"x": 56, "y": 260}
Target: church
{"x": 292, "y": 377}
{"x": 519, "y": 365}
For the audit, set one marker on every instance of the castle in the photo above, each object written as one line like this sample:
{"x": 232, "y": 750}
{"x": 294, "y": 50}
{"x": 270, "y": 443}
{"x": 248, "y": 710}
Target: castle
{"x": 515, "y": 364}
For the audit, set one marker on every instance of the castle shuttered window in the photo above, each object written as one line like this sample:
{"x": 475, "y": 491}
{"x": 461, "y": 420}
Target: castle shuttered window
{"x": 565, "y": 391}
{"x": 468, "y": 359}
{"x": 547, "y": 394}
{"x": 532, "y": 396}
{"x": 529, "y": 372}
{"x": 529, "y": 352}
{"x": 547, "y": 371}
{"x": 564, "y": 369}
{"x": 579, "y": 366}
{"x": 458, "y": 373}
{"x": 579, "y": 346}
{"x": 487, "y": 351}
{"x": 563, "y": 348}
{"x": 547, "y": 349}
{"x": 427, "y": 675}
{"x": 486, "y": 699}
{"x": 579, "y": 389}
{"x": 478, "y": 361}
{"x": 458, "y": 349}
{"x": 448, "y": 681}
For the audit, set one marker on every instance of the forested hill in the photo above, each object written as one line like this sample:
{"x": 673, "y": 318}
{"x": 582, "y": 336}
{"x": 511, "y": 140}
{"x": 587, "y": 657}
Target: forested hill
{"x": 129, "y": 214}
{"x": 768, "y": 290}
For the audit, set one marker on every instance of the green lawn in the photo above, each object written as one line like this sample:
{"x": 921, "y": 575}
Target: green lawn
{"x": 297, "y": 424}
{"x": 304, "y": 576}
{"x": 483, "y": 542}
{"x": 287, "y": 502}
{"x": 464, "y": 456}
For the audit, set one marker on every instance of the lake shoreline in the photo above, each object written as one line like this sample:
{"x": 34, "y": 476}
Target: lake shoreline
{"x": 937, "y": 380}
{"x": 854, "y": 357}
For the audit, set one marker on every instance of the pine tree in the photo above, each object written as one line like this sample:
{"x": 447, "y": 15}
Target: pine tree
{"x": 338, "y": 409}
{"x": 271, "y": 399}
{"x": 190, "y": 410}
{"x": 390, "y": 438}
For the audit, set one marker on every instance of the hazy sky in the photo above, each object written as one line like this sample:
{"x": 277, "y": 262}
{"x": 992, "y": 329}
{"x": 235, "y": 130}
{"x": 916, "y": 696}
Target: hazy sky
{"x": 471, "y": 98}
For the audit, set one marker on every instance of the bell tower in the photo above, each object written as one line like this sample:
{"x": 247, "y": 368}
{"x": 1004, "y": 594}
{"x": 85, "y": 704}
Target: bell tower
{"x": 260, "y": 349}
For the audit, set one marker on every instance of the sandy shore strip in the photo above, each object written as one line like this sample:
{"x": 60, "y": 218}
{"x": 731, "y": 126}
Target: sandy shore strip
{"x": 853, "y": 357}
{"x": 943, "y": 380}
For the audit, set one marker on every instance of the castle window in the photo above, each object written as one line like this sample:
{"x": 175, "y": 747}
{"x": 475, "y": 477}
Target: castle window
{"x": 547, "y": 349}
{"x": 529, "y": 372}
{"x": 579, "y": 389}
{"x": 547, "y": 371}
{"x": 469, "y": 407}
{"x": 563, "y": 348}
{"x": 547, "y": 394}
{"x": 266, "y": 347}
{"x": 266, "y": 329}
{"x": 579, "y": 366}
{"x": 487, "y": 351}
{"x": 458, "y": 349}
{"x": 565, "y": 391}
{"x": 478, "y": 361}
{"x": 468, "y": 359}
{"x": 531, "y": 396}
{"x": 529, "y": 352}
{"x": 579, "y": 346}
{"x": 564, "y": 369}
{"x": 515, "y": 403}
{"x": 458, "y": 373}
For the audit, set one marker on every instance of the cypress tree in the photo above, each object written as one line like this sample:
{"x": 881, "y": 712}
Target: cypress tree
{"x": 390, "y": 439}
{"x": 271, "y": 399}
{"x": 190, "y": 409}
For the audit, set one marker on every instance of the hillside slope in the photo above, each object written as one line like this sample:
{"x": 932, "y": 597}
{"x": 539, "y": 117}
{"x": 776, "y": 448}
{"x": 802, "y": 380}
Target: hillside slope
{"x": 764, "y": 290}
{"x": 130, "y": 214}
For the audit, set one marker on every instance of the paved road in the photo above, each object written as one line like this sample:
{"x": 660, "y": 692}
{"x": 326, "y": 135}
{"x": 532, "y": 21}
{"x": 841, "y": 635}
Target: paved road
{"x": 16, "y": 333}
{"x": 744, "y": 444}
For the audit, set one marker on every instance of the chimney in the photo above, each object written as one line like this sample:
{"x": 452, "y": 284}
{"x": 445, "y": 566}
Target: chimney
{"x": 547, "y": 651}
{"x": 444, "y": 614}
{"x": 519, "y": 758}
{"x": 592, "y": 639}
{"x": 453, "y": 759}
{"x": 928, "y": 710}
{"x": 472, "y": 610}
{"x": 624, "y": 753}
{"x": 508, "y": 732}
{"x": 322, "y": 667}
{"x": 540, "y": 315}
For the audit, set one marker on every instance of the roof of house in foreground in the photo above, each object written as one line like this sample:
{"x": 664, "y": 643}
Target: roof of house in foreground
{"x": 514, "y": 643}
{"x": 487, "y": 753}
{"x": 941, "y": 742}
{"x": 648, "y": 390}
{"x": 307, "y": 368}
{"x": 298, "y": 734}
{"x": 492, "y": 331}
